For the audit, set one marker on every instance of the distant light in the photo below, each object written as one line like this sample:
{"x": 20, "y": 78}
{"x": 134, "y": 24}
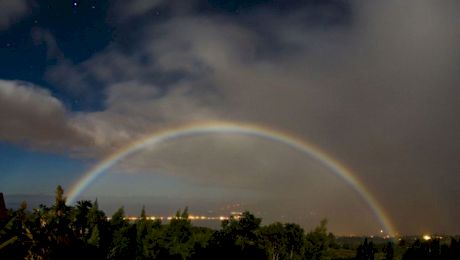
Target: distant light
{"x": 75, "y": 4}
{"x": 381, "y": 230}
{"x": 426, "y": 237}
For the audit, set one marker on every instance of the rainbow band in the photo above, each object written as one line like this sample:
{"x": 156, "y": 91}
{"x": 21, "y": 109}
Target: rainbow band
{"x": 209, "y": 127}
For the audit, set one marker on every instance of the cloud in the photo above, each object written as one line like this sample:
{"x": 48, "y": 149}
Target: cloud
{"x": 32, "y": 117}
{"x": 132, "y": 9}
{"x": 122, "y": 121}
{"x": 70, "y": 79}
{"x": 42, "y": 36}
{"x": 12, "y": 11}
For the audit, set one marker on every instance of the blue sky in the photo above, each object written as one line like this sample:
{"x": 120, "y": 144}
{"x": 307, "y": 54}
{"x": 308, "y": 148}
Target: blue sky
{"x": 373, "y": 84}
{"x": 46, "y": 170}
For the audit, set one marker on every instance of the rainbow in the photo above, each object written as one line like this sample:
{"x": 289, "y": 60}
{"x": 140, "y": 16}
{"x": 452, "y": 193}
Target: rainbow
{"x": 208, "y": 127}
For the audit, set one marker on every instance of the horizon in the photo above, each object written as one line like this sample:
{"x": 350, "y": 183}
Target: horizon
{"x": 133, "y": 214}
{"x": 165, "y": 212}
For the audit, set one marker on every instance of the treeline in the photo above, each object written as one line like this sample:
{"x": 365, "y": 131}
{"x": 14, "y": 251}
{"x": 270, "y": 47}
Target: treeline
{"x": 83, "y": 231}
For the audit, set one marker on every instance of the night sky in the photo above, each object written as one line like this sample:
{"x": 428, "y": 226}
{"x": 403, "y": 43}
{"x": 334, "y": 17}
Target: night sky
{"x": 373, "y": 84}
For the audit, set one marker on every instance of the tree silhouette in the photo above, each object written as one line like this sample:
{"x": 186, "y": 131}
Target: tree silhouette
{"x": 389, "y": 251}
{"x": 283, "y": 241}
{"x": 82, "y": 231}
{"x": 318, "y": 242}
{"x": 366, "y": 251}
{"x": 239, "y": 238}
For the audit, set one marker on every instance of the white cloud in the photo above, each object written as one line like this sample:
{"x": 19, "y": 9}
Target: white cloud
{"x": 29, "y": 115}
{"x": 134, "y": 109}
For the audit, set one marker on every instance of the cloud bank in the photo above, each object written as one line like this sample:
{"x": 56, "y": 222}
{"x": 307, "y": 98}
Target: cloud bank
{"x": 31, "y": 116}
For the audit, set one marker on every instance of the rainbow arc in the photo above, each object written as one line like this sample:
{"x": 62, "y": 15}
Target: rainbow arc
{"x": 225, "y": 127}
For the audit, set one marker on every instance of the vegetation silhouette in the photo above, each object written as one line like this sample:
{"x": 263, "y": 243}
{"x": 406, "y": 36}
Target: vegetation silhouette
{"x": 83, "y": 231}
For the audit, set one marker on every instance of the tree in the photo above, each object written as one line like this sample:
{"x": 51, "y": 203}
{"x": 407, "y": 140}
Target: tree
{"x": 80, "y": 219}
{"x": 318, "y": 242}
{"x": 366, "y": 251}
{"x": 275, "y": 241}
{"x": 177, "y": 235}
{"x": 59, "y": 204}
{"x": 123, "y": 243}
{"x": 295, "y": 240}
{"x": 142, "y": 227}
{"x": 123, "y": 236}
{"x": 143, "y": 216}
{"x": 239, "y": 238}
{"x": 118, "y": 219}
{"x": 389, "y": 251}
{"x": 10, "y": 241}
{"x": 51, "y": 235}
{"x": 95, "y": 238}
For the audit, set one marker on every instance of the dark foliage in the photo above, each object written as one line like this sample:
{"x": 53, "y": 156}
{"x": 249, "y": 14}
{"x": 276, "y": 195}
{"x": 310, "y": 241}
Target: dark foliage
{"x": 83, "y": 231}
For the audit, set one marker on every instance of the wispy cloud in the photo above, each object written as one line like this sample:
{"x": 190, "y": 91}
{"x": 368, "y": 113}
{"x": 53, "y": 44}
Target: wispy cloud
{"x": 12, "y": 11}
